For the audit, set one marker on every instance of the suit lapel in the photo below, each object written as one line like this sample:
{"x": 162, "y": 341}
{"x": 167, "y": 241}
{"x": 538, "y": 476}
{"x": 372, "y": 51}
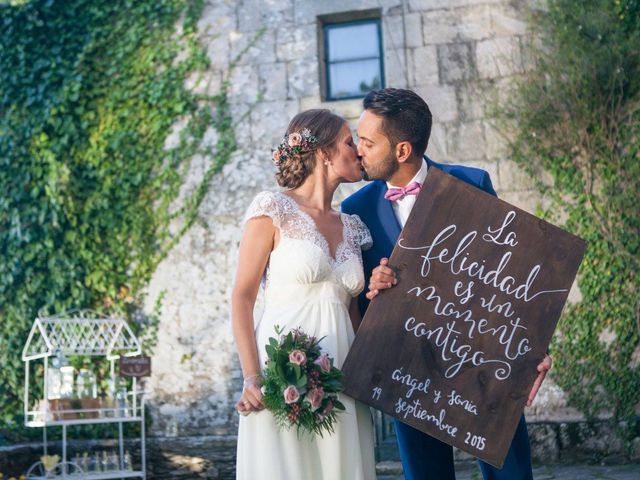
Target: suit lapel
{"x": 386, "y": 215}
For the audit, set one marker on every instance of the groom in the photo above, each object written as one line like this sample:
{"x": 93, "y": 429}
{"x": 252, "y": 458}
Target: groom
{"x": 393, "y": 134}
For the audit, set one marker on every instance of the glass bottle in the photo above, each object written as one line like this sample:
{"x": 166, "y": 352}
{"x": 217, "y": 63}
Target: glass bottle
{"x": 94, "y": 463}
{"x": 104, "y": 462}
{"x": 66, "y": 377}
{"x": 54, "y": 377}
{"x": 86, "y": 384}
{"x": 85, "y": 462}
{"x": 114, "y": 461}
{"x": 122, "y": 403}
{"x": 126, "y": 461}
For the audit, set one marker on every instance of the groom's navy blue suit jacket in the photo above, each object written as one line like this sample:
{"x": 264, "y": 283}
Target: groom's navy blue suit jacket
{"x": 424, "y": 457}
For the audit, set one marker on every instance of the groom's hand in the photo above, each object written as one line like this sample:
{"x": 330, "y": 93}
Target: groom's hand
{"x": 543, "y": 368}
{"x": 382, "y": 277}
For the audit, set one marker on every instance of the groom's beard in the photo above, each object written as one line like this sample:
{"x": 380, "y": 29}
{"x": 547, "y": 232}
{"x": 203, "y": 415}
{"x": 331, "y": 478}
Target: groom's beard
{"x": 382, "y": 171}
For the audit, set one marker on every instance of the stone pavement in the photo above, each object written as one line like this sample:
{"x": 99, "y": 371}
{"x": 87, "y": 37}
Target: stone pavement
{"x": 469, "y": 471}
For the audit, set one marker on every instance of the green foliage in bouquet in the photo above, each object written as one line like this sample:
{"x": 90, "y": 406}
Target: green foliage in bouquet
{"x": 575, "y": 115}
{"x": 301, "y": 384}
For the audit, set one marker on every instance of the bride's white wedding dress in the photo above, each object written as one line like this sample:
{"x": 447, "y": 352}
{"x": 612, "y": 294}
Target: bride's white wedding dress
{"x": 305, "y": 287}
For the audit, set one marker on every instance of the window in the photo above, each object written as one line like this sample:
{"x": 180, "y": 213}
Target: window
{"x": 352, "y": 58}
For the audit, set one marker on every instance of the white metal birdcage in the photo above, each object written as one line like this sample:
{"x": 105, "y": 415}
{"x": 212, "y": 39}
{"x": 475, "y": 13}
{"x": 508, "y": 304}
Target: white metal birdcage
{"x": 82, "y": 333}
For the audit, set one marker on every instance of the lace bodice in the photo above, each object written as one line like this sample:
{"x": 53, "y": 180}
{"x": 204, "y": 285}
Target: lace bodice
{"x": 296, "y": 261}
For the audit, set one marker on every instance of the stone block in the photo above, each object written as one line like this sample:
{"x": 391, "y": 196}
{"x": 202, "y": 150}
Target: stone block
{"x": 545, "y": 446}
{"x": 215, "y": 83}
{"x": 269, "y": 14}
{"x": 508, "y": 19}
{"x": 307, "y": 11}
{"x": 497, "y": 142}
{"x": 459, "y": 25}
{"x": 197, "y": 82}
{"x": 173, "y": 138}
{"x": 241, "y": 116}
{"x": 297, "y": 43}
{"x": 472, "y": 102}
{"x": 513, "y": 177}
{"x": 348, "y": 109}
{"x": 218, "y": 50}
{"x": 422, "y": 5}
{"x": 395, "y": 68}
{"x": 635, "y": 449}
{"x": 413, "y": 30}
{"x": 393, "y": 32}
{"x": 217, "y": 18}
{"x": 498, "y": 57}
{"x": 244, "y": 84}
{"x": 575, "y": 295}
{"x": 490, "y": 167}
{"x": 441, "y": 100}
{"x": 437, "y": 146}
{"x": 269, "y": 121}
{"x": 254, "y": 47}
{"x": 526, "y": 200}
{"x": 423, "y": 65}
{"x": 465, "y": 141}
{"x": 457, "y": 62}
{"x": 550, "y": 404}
{"x": 273, "y": 81}
{"x": 303, "y": 79}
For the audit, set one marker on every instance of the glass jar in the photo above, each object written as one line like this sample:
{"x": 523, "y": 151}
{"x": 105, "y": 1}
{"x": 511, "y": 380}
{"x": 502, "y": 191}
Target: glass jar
{"x": 54, "y": 378}
{"x": 66, "y": 382}
{"x": 122, "y": 403}
{"x": 86, "y": 385}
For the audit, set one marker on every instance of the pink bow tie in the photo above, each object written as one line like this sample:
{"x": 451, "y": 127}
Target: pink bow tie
{"x": 395, "y": 194}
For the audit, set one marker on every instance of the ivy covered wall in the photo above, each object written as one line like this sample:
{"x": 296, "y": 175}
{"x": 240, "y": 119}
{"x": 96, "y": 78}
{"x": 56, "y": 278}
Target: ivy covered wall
{"x": 575, "y": 123}
{"x": 89, "y": 91}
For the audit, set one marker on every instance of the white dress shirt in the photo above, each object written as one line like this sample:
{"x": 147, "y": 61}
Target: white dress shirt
{"x": 402, "y": 208}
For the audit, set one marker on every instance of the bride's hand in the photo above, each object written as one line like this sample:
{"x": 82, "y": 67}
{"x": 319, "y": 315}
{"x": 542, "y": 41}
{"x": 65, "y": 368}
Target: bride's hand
{"x": 251, "y": 399}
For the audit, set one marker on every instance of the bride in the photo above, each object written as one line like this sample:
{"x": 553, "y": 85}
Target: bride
{"x": 309, "y": 259}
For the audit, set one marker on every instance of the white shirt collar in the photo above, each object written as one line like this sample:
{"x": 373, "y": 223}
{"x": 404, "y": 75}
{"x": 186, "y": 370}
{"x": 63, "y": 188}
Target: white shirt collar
{"x": 419, "y": 177}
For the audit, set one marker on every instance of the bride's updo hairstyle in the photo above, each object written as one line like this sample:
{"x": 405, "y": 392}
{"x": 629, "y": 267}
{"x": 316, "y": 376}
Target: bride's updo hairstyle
{"x": 308, "y": 133}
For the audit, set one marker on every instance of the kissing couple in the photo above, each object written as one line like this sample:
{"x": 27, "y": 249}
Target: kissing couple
{"x": 313, "y": 262}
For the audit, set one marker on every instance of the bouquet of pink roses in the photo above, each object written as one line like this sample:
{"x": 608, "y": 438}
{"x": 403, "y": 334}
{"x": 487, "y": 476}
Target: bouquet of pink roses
{"x": 301, "y": 385}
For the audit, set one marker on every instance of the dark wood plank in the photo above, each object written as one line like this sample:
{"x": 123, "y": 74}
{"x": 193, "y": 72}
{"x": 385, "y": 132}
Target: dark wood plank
{"x": 452, "y": 349}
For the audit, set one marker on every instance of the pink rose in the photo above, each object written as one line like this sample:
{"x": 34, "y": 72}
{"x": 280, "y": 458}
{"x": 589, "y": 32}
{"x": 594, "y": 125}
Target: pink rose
{"x": 291, "y": 395}
{"x": 314, "y": 397}
{"x": 298, "y": 357}
{"x": 295, "y": 139}
{"x": 324, "y": 363}
{"x": 276, "y": 156}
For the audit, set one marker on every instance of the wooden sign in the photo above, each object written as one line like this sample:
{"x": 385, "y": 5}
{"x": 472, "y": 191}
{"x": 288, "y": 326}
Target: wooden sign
{"x": 452, "y": 349}
{"x": 135, "y": 366}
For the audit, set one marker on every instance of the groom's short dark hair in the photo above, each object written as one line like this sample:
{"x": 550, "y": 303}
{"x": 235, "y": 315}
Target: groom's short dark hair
{"x": 405, "y": 116}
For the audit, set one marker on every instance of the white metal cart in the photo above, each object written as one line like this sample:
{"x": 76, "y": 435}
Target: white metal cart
{"x": 82, "y": 333}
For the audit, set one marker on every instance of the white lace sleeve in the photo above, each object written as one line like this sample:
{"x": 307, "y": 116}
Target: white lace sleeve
{"x": 264, "y": 205}
{"x": 361, "y": 233}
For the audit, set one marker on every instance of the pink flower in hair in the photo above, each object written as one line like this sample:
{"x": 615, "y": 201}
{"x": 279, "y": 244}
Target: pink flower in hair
{"x": 295, "y": 139}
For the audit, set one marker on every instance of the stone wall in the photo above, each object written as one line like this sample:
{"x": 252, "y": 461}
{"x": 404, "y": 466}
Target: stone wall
{"x": 458, "y": 54}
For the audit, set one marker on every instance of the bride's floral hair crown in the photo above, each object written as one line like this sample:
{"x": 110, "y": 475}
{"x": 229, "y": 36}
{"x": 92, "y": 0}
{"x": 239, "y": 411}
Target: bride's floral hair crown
{"x": 294, "y": 144}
